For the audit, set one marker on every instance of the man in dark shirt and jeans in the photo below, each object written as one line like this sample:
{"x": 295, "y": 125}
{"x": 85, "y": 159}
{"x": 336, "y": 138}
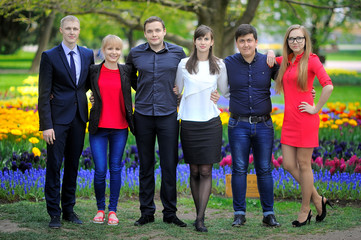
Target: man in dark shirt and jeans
{"x": 156, "y": 117}
{"x": 250, "y": 124}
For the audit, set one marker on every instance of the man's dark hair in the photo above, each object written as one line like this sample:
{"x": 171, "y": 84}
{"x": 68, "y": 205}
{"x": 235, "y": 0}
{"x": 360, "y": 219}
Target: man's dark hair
{"x": 154, "y": 19}
{"x": 245, "y": 29}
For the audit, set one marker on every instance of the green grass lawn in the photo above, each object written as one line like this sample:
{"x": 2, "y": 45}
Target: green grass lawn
{"x": 31, "y": 220}
{"x": 344, "y": 55}
{"x": 344, "y": 94}
{"x": 19, "y": 60}
{"x": 12, "y": 80}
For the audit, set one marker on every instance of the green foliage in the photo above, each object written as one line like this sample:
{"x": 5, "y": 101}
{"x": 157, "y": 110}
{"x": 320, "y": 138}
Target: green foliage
{"x": 345, "y": 79}
{"x": 14, "y": 34}
{"x": 320, "y": 17}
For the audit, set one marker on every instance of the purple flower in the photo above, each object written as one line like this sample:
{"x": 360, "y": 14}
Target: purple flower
{"x": 15, "y": 156}
{"x": 14, "y": 166}
{"x": 87, "y": 163}
{"x": 133, "y": 149}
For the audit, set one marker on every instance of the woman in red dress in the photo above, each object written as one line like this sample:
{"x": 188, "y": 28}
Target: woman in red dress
{"x": 298, "y": 68}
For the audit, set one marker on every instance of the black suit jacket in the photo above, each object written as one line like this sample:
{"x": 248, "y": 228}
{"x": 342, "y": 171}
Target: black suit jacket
{"x": 55, "y": 79}
{"x": 95, "y": 111}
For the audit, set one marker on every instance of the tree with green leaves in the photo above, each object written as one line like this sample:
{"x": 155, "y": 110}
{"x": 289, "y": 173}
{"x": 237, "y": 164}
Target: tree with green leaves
{"x": 223, "y": 16}
{"x": 320, "y": 17}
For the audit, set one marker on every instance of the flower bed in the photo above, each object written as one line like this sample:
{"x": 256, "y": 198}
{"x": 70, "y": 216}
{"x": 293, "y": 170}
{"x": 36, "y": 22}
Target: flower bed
{"x": 336, "y": 162}
{"x": 16, "y": 185}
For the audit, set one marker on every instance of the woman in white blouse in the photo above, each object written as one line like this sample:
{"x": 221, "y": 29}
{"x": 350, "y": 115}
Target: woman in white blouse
{"x": 201, "y": 128}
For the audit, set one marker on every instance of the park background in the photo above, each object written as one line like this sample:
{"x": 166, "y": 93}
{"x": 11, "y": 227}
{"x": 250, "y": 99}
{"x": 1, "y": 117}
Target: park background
{"x": 30, "y": 27}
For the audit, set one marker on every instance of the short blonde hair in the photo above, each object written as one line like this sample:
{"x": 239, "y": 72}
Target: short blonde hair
{"x": 112, "y": 39}
{"x": 69, "y": 18}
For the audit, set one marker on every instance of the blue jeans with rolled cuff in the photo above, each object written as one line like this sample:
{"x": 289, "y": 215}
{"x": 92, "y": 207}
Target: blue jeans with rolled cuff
{"x": 242, "y": 137}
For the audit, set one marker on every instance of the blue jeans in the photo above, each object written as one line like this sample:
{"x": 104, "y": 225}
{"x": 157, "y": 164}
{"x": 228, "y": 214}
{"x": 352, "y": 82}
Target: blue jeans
{"x": 117, "y": 139}
{"x": 242, "y": 137}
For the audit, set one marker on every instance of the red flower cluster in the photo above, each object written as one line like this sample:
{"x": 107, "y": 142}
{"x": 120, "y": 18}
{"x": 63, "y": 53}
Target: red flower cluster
{"x": 318, "y": 161}
{"x": 352, "y": 165}
{"x": 226, "y": 161}
{"x": 341, "y": 165}
{"x": 277, "y": 162}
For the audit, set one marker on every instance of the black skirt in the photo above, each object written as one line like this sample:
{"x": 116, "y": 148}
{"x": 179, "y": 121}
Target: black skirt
{"x": 202, "y": 141}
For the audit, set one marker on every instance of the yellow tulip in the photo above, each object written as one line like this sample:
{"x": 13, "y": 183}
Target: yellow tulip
{"x": 16, "y": 132}
{"x": 352, "y": 122}
{"x": 36, "y": 151}
{"x": 224, "y": 117}
{"x": 33, "y": 140}
{"x": 339, "y": 122}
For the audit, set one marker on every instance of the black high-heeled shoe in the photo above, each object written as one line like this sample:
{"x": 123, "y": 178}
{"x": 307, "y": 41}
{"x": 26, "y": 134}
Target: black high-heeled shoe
{"x": 199, "y": 224}
{"x": 319, "y": 218}
{"x": 195, "y": 221}
{"x": 298, "y": 224}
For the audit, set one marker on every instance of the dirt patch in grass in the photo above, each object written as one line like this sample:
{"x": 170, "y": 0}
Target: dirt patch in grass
{"x": 7, "y": 226}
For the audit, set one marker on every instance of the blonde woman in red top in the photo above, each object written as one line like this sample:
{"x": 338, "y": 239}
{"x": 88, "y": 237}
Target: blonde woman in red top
{"x": 298, "y": 68}
{"x": 110, "y": 117}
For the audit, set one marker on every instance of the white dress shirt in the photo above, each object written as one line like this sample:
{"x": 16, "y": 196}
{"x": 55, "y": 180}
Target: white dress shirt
{"x": 76, "y": 57}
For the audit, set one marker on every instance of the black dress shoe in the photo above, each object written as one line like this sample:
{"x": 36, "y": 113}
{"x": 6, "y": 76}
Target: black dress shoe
{"x": 270, "y": 221}
{"x": 144, "y": 220}
{"x": 239, "y": 220}
{"x": 72, "y": 217}
{"x": 175, "y": 220}
{"x": 55, "y": 222}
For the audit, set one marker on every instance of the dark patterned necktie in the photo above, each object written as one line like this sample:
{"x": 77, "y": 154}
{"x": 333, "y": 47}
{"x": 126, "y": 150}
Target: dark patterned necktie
{"x": 72, "y": 66}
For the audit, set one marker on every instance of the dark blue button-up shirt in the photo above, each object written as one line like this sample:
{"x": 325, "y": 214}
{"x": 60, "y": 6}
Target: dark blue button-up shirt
{"x": 155, "y": 81}
{"x": 249, "y": 85}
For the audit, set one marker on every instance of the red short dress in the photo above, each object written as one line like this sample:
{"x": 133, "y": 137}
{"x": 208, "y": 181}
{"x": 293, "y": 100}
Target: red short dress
{"x": 300, "y": 129}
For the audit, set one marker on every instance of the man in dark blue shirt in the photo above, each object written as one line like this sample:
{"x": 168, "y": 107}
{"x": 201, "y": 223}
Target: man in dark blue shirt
{"x": 156, "y": 117}
{"x": 250, "y": 124}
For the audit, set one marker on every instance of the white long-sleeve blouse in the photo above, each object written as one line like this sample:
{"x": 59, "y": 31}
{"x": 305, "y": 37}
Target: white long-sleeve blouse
{"x": 196, "y": 104}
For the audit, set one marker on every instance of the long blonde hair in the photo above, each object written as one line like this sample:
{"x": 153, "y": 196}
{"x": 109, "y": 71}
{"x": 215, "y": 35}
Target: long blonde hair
{"x": 302, "y": 66}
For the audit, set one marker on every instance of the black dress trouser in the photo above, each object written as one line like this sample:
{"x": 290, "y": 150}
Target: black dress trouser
{"x": 68, "y": 145}
{"x": 165, "y": 129}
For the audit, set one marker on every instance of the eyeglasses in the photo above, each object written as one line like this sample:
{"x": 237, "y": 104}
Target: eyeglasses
{"x": 298, "y": 39}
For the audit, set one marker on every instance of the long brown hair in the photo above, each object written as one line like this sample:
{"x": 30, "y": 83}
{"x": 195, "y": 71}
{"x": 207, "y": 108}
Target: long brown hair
{"x": 303, "y": 65}
{"x": 192, "y": 63}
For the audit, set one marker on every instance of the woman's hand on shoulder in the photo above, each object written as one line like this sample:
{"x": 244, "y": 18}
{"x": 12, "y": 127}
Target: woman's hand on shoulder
{"x": 271, "y": 58}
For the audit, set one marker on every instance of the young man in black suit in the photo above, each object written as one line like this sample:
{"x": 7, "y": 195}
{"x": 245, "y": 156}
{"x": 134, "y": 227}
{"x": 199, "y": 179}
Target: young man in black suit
{"x": 63, "y": 113}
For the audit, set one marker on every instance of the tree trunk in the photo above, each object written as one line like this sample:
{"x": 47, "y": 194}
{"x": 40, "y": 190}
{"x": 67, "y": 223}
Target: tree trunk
{"x": 44, "y": 38}
{"x": 214, "y": 16}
